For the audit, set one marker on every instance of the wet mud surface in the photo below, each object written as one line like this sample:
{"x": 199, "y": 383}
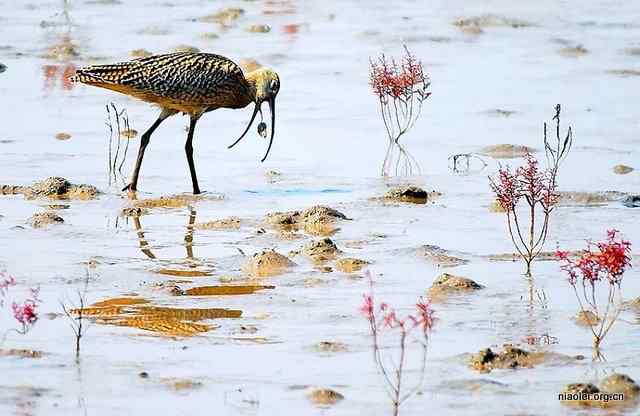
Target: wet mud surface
{"x": 244, "y": 300}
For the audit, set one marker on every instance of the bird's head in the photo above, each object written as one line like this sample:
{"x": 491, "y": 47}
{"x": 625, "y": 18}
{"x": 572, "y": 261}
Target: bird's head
{"x": 266, "y": 85}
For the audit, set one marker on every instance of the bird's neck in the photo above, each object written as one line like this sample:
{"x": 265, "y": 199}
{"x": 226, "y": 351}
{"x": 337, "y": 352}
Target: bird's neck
{"x": 252, "y": 79}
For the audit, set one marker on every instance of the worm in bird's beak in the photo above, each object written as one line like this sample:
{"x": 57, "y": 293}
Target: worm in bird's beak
{"x": 272, "y": 109}
{"x": 256, "y": 109}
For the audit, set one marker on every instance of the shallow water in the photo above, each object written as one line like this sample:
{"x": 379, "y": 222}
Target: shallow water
{"x": 329, "y": 147}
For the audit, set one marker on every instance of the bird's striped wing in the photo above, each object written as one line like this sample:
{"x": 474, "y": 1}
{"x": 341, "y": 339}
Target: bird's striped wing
{"x": 183, "y": 78}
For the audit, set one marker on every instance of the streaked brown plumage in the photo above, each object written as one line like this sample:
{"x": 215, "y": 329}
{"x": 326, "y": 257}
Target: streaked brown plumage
{"x": 189, "y": 83}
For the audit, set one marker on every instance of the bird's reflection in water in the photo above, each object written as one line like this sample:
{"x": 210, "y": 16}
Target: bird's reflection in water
{"x": 145, "y": 247}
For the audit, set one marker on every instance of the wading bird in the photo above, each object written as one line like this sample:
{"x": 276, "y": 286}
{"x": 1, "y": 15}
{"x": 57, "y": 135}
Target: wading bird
{"x": 188, "y": 83}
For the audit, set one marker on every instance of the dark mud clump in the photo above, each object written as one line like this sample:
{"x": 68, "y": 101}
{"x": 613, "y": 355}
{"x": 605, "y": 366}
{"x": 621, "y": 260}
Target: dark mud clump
{"x": 510, "y": 358}
{"x": 448, "y": 284}
{"x": 439, "y": 256}
{"x": 542, "y": 256}
{"x": 585, "y": 395}
{"x": 624, "y": 73}
{"x": 475, "y": 25}
{"x": 590, "y": 198}
{"x": 573, "y": 51}
{"x": 506, "y": 151}
{"x": 224, "y": 16}
{"x": 44, "y": 219}
{"x": 321, "y": 250}
{"x": 410, "y": 193}
{"x": 350, "y": 264}
{"x": 318, "y": 220}
{"x": 21, "y": 353}
{"x": 52, "y": 188}
{"x": 267, "y": 263}
{"x": 325, "y": 397}
{"x": 330, "y": 347}
{"x": 622, "y": 169}
{"x": 631, "y": 201}
{"x": 231, "y": 223}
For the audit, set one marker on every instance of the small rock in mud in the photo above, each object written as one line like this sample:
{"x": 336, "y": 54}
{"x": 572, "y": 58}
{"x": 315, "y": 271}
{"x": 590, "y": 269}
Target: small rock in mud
{"x": 63, "y": 136}
{"x": 631, "y": 201}
{"x": 620, "y": 383}
{"x": 259, "y": 29}
{"x": 53, "y": 188}
{"x": 143, "y": 374}
{"x": 267, "y": 263}
{"x": 321, "y": 250}
{"x": 586, "y": 318}
{"x": 2, "y": 68}
{"x": 506, "y": 151}
{"x": 231, "y": 223}
{"x": 590, "y": 198}
{"x": 447, "y": 284}
{"x": 510, "y": 358}
{"x": 580, "y": 390}
{"x": 622, "y": 169}
{"x": 224, "y": 16}
{"x": 410, "y": 193}
{"x": 330, "y": 347}
{"x": 350, "y": 264}
{"x": 573, "y": 51}
{"x": 140, "y": 53}
{"x": 439, "y": 256}
{"x": 44, "y": 219}
{"x": 325, "y": 397}
{"x": 249, "y": 65}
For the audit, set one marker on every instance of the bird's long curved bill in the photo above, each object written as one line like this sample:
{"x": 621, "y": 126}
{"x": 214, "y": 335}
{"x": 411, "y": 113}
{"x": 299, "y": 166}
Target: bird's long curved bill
{"x": 272, "y": 109}
{"x": 253, "y": 117}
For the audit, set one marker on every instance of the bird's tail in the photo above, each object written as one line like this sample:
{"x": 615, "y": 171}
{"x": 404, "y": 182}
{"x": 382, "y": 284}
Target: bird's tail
{"x": 103, "y": 74}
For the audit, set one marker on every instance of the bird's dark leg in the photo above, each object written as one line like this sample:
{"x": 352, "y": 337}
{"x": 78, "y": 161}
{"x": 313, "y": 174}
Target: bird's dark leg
{"x": 144, "y": 141}
{"x": 188, "y": 148}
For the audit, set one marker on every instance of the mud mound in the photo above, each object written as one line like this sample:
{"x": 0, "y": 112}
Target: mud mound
{"x": 267, "y": 263}
{"x": 53, "y": 188}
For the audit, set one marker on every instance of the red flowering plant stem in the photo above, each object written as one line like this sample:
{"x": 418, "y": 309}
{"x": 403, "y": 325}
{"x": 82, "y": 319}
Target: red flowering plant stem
{"x": 530, "y": 194}
{"x": 384, "y": 323}
{"x": 601, "y": 263}
{"x": 24, "y": 313}
{"x": 401, "y": 89}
